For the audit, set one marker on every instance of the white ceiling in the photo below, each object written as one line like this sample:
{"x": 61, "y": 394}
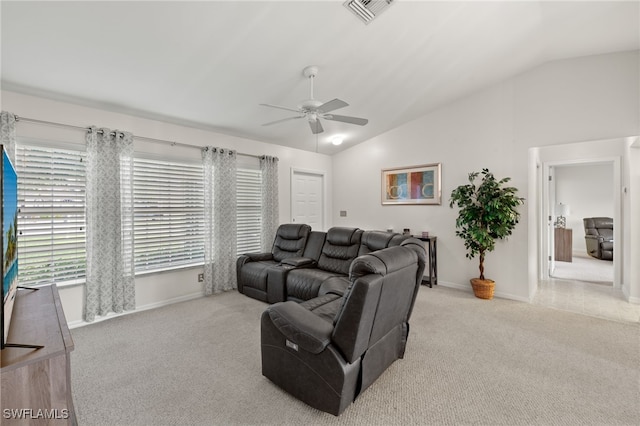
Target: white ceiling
{"x": 210, "y": 64}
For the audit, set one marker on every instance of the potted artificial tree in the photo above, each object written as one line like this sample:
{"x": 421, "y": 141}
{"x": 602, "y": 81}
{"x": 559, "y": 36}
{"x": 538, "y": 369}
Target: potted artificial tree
{"x": 488, "y": 212}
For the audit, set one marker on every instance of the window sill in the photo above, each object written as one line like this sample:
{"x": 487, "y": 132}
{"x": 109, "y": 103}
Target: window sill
{"x": 62, "y": 284}
{"x": 82, "y": 281}
{"x": 169, "y": 269}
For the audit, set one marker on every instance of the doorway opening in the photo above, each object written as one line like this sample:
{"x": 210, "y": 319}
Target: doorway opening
{"x": 574, "y": 292}
{"x": 581, "y": 196}
{"x": 568, "y": 184}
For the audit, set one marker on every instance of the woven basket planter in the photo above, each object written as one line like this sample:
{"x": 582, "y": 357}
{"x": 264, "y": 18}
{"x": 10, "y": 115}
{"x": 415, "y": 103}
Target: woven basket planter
{"x": 483, "y": 289}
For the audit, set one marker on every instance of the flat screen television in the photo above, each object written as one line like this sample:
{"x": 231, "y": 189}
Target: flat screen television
{"x": 9, "y": 238}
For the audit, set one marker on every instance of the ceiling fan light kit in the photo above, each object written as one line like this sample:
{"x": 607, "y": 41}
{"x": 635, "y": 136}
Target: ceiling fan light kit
{"x": 313, "y": 110}
{"x": 337, "y": 140}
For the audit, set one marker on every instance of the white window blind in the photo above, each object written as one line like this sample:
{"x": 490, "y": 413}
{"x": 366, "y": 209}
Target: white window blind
{"x": 168, "y": 214}
{"x": 168, "y": 223}
{"x": 249, "y": 221}
{"x": 51, "y": 221}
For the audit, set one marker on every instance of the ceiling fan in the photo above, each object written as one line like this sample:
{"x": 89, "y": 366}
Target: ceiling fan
{"x": 313, "y": 110}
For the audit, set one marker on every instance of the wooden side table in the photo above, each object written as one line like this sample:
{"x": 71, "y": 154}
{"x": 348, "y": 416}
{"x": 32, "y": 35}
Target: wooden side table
{"x": 563, "y": 241}
{"x": 432, "y": 259}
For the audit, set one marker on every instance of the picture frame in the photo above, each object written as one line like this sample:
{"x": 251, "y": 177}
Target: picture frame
{"x": 413, "y": 185}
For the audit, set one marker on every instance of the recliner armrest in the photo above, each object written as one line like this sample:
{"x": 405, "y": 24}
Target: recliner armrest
{"x": 301, "y": 326}
{"x": 256, "y": 257}
{"x": 299, "y": 262}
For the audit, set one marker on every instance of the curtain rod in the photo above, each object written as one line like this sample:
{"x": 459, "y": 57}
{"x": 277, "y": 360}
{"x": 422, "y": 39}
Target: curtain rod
{"x": 85, "y": 129}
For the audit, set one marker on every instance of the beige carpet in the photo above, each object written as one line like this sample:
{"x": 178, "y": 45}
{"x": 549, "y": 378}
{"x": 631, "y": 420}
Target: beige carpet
{"x": 468, "y": 361}
{"x": 585, "y": 268}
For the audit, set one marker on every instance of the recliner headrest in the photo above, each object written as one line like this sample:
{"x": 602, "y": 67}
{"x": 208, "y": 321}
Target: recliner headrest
{"x": 382, "y": 262}
{"x": 603, "y": 222}
{"x": 340, "y": 236}
{"x": 416, "y": 243}
{"x": 397, "y": 239}
{"x": 376, "y": 240}
{"x": 293, "y": 231}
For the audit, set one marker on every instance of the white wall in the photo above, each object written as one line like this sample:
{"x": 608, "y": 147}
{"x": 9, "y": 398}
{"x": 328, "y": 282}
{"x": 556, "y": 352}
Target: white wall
{"x": 630, "y": 214}
{"x": 158, "y": 288}
{"x": 588, "y": 191}
{"x": 582, "y": 99}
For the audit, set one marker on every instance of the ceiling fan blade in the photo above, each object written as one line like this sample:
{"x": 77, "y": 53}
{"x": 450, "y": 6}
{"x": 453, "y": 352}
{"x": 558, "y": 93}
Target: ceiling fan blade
{"x": 281, "y": 107}
{"x": 283, "y": 119}
{"x": 332, "y": 105}
{"x": 346, "y": 119}
{"x": 316, "y": 127}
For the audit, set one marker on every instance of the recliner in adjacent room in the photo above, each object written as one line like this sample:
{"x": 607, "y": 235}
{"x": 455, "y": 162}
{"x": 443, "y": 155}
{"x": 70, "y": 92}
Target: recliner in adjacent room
{"x": 252, "y": 268}
{"x": 599, "y": 237}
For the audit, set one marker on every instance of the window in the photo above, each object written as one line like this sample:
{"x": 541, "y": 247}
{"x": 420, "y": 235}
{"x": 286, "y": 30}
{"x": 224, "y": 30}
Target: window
{"x": 168, "y": 214}
{"x": 51, "y": 221}
{"x": 249, "y": 208}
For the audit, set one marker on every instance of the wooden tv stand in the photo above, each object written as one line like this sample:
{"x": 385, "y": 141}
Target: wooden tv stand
{"x": 36, "y": 383}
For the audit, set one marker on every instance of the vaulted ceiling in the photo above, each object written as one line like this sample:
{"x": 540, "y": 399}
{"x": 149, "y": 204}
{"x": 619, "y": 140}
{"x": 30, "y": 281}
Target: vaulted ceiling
{"x": 209, "y": 64}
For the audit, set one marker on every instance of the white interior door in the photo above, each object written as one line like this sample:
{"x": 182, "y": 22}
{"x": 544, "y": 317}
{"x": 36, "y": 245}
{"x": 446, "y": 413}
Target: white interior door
{"x": 307, "y": 198}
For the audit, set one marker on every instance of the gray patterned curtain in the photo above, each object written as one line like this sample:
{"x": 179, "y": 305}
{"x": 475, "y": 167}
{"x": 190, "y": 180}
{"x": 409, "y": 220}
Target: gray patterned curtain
{"x": 270, "y": 210}
{"x": 110, "y": 268}
{"x": 8, "y": 134}
{"x": 219, "y": 219}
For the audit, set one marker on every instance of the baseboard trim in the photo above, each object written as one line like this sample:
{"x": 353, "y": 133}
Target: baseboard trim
{"x": 467, "y": 288}
{"x": 82, "y": 323}
{"x": 463, "y": 287}
{"x": 634, "y": 300}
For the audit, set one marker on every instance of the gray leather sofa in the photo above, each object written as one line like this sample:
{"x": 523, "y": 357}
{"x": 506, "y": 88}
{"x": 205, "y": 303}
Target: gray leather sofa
{"x": 304, "y": 264}
{"x": 599, "y": 237}
{"x": 340, "y": 312}
{"x": 327, "y": 350}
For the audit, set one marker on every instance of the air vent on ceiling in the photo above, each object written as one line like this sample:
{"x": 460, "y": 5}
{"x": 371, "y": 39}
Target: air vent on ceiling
{"x": 367, "y": 10}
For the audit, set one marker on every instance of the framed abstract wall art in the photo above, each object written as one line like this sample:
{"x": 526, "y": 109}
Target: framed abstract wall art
{"x": 412, "y": 185}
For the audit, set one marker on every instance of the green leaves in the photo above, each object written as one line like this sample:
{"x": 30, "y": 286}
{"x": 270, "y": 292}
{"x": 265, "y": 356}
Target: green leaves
{"x": 488, "y": 212}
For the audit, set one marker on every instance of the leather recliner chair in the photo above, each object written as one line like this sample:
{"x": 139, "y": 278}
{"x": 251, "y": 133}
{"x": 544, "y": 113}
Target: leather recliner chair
{"x": 327, "y": 350}
{"x": 252, "y": 268}
{"x": 599, "y": 237}
{"x": 331, "y": 270}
